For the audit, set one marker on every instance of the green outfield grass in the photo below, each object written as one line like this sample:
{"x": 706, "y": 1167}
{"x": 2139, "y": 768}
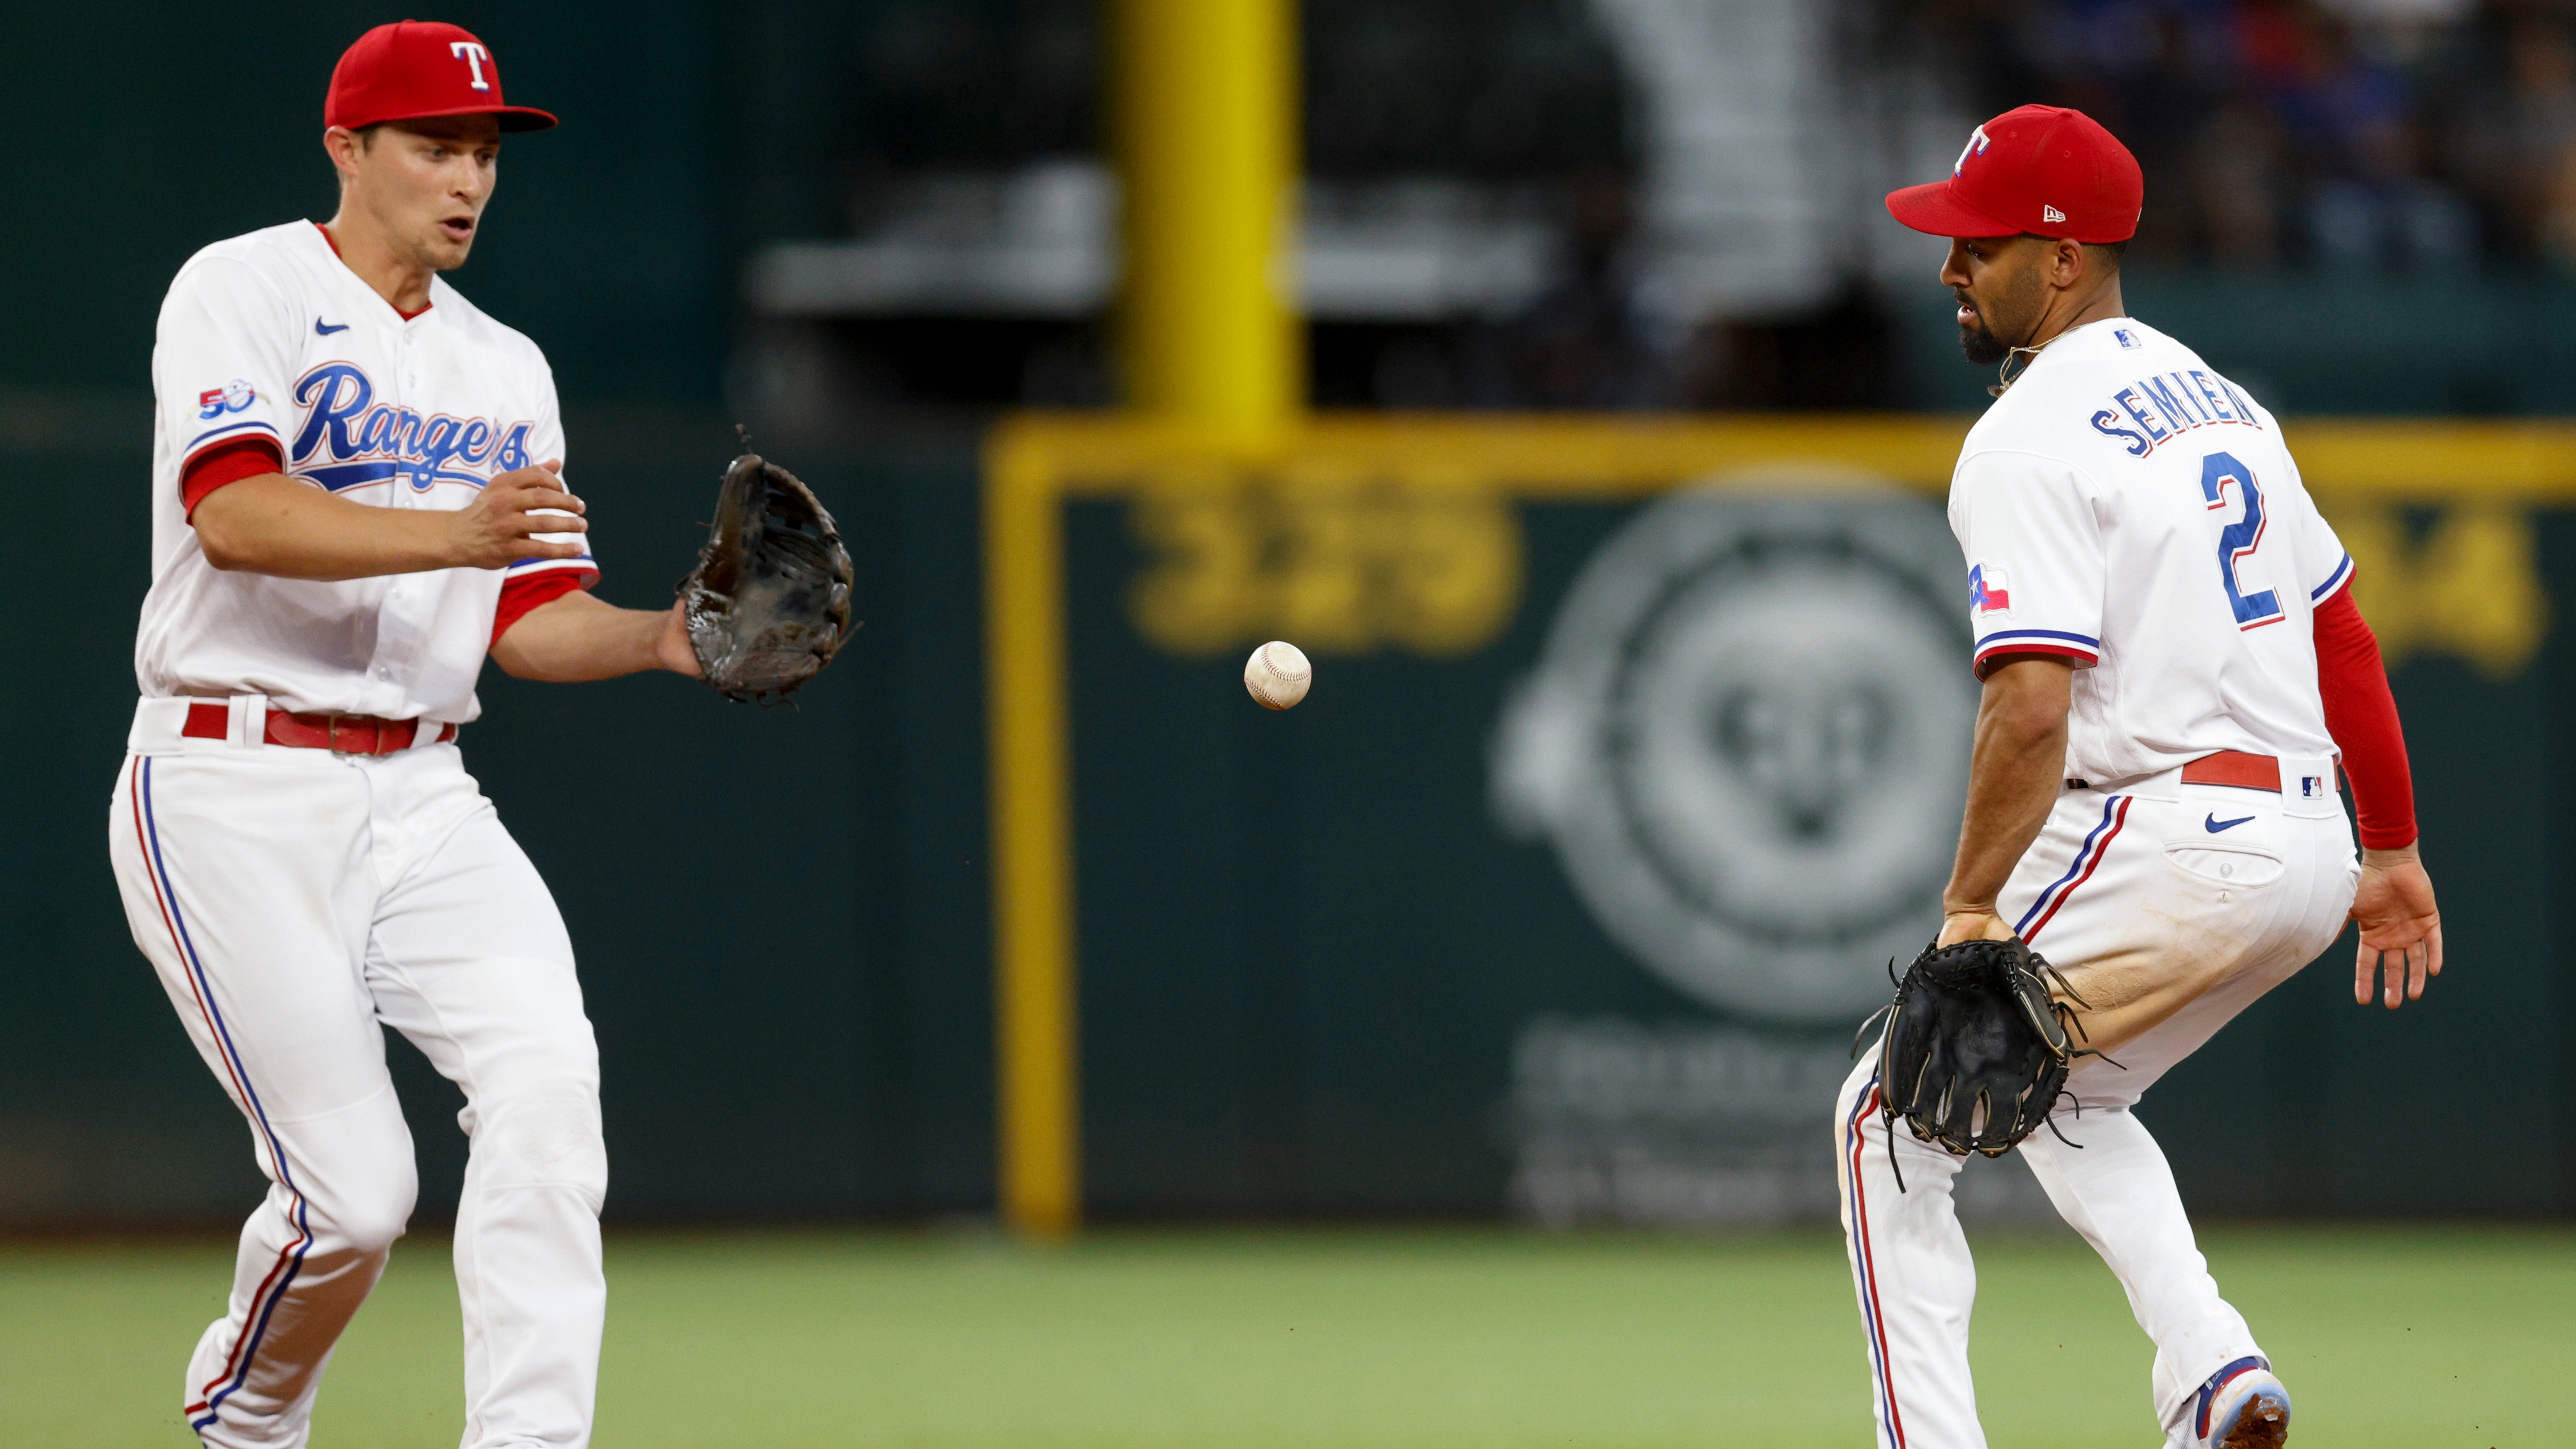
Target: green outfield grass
{"x": 2387, "y": 1336}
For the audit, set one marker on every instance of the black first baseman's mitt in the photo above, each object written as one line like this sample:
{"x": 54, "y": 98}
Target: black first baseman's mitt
{"x": 769, "y": 603}
{"x": 1976, "y": 1053}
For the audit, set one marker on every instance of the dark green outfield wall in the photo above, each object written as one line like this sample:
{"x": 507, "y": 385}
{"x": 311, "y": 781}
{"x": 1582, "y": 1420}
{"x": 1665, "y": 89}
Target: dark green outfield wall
{"x": 1321, "y": 975}
{"x": 1380, "y": 1000}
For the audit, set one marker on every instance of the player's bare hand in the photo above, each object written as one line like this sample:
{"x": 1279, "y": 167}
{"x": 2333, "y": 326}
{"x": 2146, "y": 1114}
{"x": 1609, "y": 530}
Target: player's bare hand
{"x": 1972, "y": 924}
{"x": 2401, "y": 928}
{"x": 500, "y": 527}
{"x": 671, "y": 647}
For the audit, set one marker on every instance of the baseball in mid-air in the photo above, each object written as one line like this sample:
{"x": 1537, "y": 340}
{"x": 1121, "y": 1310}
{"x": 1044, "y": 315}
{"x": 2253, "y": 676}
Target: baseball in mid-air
{"x": 1278, "y": 674}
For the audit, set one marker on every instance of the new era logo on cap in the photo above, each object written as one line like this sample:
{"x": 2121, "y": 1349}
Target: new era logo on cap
{"x": 2041, "y": 169}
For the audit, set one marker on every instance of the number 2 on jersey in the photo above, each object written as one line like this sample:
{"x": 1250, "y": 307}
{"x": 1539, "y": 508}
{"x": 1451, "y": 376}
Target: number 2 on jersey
{"x": 2238, "y": 539}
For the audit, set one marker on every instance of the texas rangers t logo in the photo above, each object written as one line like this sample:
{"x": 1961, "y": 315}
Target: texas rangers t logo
{"x": 1977, "y": 144}
{"x": 473, "y": 55}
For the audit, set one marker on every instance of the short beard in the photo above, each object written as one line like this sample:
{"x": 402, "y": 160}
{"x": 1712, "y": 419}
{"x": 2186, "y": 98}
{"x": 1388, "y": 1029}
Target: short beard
{"x": 1983, "y": 348}
{"x": 2020, "y": 302}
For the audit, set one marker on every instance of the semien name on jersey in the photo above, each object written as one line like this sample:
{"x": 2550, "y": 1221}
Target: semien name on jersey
{"x": 2170, "y": 403}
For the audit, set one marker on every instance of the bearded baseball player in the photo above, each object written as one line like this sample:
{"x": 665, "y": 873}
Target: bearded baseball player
{"x": 357, "y": 496}
{"x": 2172, "y": 669}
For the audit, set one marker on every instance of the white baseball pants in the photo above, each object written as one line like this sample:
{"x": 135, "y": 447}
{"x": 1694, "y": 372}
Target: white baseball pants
{"x": 293, "y": 900}
{"x": 2233, "y": 888}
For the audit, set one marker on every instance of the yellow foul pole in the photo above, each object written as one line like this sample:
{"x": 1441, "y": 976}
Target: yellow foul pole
{"x": 1203, "y": 106}
{"x": 1204, "y": 120}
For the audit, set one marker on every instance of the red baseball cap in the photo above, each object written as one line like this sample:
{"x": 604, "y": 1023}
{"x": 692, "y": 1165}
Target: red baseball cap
{"x": 416, "y": 69}
{"x": 2045, "y": 170}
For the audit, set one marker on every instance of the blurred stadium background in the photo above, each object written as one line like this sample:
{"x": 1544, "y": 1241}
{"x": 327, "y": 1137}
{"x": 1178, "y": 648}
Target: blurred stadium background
{"x": 1371, "y": 1019}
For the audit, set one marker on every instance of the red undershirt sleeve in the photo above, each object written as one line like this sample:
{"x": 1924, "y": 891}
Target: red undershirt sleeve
{"x": 2362, "y": 716}
{"x": 520, "y": 595}
{"x": 226, "y": 463}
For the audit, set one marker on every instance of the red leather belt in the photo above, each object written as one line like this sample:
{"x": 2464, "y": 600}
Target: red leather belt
{"x": 2237, "y": 768}
{"x": 2227, "y": 767}
{"x": 341, "y": 734}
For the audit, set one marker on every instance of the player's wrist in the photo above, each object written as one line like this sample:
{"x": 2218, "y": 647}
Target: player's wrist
{"x": 671, "y": 648}
{"x": 1970, "y": 924}
{"x": 2381, "y": 859}
{"x": 444, "y": 537}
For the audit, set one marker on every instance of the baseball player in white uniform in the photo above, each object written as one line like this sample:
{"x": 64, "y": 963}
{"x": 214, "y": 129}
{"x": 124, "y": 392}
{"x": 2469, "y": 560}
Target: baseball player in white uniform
{"x": 2172, "y": 668}
{"x": 357, "y": 497}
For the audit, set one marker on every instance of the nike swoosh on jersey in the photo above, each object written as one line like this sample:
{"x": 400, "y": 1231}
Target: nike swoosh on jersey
{"x": 2216, "y": 825}
{"x": 321, "y": 331}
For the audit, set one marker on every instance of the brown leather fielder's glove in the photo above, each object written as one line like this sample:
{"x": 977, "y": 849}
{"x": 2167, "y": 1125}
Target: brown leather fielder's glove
{"x": 1976, "y": 1053}
{"x": 769, "y": 603}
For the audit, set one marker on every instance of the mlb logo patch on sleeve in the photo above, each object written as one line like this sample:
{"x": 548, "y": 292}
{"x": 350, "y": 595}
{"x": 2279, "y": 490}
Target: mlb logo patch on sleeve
{"x": 1986, "y": 591}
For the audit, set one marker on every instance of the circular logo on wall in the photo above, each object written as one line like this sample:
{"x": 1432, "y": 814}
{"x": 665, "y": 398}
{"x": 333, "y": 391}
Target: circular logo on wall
{"x": 1748, "y": 740}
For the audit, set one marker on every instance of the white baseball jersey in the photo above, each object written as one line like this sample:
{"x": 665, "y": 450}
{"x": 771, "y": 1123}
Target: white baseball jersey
{"x": 269, "y": 336}
{"x": 296, "y": 902}
{"x": 2126, "y": 506}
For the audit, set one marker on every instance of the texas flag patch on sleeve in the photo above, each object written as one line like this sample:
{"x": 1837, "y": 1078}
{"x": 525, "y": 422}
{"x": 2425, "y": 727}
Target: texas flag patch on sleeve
{"x": 1987, "y": 594}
